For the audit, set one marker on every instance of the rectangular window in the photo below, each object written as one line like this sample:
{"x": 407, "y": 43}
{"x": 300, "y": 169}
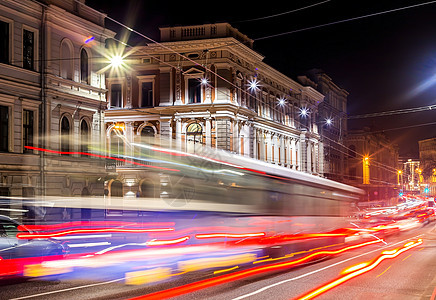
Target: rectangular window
{"x": 28, "y": 49}
{"x": 4, "y": 131}
{"x": 116, "y": 95}
{"x": 27, "y": 129}
{"x": 147, "y": 94}
{"x": 4, "y": 42}
{"x": 194, "y": 91}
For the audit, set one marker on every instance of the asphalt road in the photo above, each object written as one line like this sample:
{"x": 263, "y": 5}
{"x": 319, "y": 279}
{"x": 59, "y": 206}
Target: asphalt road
{"x": 411, "y": 275}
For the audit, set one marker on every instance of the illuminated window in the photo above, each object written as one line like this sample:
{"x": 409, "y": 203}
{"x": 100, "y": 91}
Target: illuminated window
{"x": 194, "y": 137}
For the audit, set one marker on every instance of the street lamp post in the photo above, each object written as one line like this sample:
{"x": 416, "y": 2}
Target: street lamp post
{"x": 366, "y": 169}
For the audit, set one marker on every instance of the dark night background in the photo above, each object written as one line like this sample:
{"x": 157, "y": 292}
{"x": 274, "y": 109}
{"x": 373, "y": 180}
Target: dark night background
{"x": 380, "y": 60}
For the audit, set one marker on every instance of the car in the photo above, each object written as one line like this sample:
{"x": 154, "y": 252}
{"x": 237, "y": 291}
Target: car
{"x": 16, "y": 253}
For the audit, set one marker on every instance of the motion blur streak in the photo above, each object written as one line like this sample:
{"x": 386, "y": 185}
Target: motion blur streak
{"x": 100, "y": 156}
{"x": 360, "y": 269}
{"x": 166, "y": 242}
{"x": 91, "y": 223}
{"x": 228, "y": 235}
{"x": 84, "y": 231}
{"x": 188, "y": 288}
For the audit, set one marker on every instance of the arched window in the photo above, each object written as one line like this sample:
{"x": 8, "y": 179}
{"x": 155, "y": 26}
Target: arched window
{"x": 65, "y": 134}
{"x": 194, "y": 137}
{"x": 84, "y": 75}
{"x": 147, "y": 138}
{"x": 147, "y": 131}
{"x": 66, "y": 63}
{"x": 84, "y": 136}
{"x": 147, "y": 189}
{"x": 116, "y": 189}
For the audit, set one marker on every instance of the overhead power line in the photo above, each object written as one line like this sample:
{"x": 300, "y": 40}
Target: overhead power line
{"x": 207, "y": 69}
{"x": 283, "y": 13}
{"x": 394, "y": 112}
{"x": 343, "y": 21}
{"x": 405, "y": 127}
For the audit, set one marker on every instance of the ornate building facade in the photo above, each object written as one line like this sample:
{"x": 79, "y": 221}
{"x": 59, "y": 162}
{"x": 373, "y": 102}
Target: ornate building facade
{"x": 51, "y": 96}
{"x": 205, "y": 86}
{"x": 332, "y": 121}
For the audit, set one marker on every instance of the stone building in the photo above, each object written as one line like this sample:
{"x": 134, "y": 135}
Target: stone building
{"x": 51, "y": 96}
{"x": 410, "y": 175}
{"x": 427, "y": 159}
{"x": 372, "y": 164}
{"x": 205, "y": 85}
{"x": 332, "y": 122}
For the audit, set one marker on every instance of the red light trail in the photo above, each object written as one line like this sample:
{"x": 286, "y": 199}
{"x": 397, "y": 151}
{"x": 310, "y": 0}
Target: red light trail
{"x": 188, "y": 288}
{"x": 360, "y": 269}
{"x": 105, "y": 224}
{"x": 86, "y": 231}
{"x": 228, "y": 235}
{"x": 100, "y": 156}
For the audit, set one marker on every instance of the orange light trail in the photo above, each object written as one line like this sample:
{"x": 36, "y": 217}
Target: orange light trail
{"x": 359, "y": 271}
{"x": 188, "y": 288}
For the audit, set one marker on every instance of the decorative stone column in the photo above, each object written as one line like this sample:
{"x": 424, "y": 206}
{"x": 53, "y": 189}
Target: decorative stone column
{"x": 303, "y": 152}
{"x": 129, "y": 138}
{"x": 293, "y": 154}
{"x": 208, "y": 128}
{"x": 166, "y": 130}
{"x": 252, "y": 140}
{"x": 128, "y": 91}
{"x": 178, "y": 84}
{"x": 309, "y": 156}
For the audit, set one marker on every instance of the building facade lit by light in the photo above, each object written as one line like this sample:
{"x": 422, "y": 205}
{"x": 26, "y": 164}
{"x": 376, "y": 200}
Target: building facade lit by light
{"x": 332, "y": 121}
{"x": 410, "y": 177}
{"x": 372, "y": 164}
{"x": 218, "y": 93}
{"x": 52, "y": 96}
{"x": 427, "y": 158}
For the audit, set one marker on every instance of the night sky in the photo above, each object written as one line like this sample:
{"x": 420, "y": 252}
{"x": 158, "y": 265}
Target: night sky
{"x": 382, "y": 61}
